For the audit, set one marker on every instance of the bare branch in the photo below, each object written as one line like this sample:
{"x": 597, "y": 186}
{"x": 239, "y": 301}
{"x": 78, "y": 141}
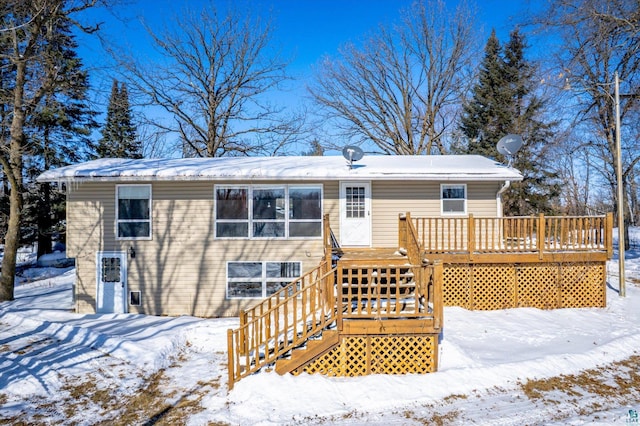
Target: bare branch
{"x": 400, "y": 89}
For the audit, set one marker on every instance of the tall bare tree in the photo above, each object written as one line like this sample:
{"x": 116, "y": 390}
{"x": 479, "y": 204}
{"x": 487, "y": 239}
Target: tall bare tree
{"x": 401, "y": 88}
{"x": 600, "y": 38}
{"x": 211, "y": 80}
{"x": 28, "y": 29}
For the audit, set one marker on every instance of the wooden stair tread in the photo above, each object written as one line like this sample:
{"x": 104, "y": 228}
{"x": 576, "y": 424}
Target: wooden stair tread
{"x": 313, "y": 348}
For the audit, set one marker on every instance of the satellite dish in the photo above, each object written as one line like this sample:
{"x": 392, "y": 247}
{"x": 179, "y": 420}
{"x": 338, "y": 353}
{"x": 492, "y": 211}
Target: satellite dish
{"x": 509, "y": 145}
{"x": 352, "y": 153}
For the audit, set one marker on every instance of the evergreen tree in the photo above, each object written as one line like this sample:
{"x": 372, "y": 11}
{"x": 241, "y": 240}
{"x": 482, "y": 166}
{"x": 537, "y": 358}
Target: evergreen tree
{"x": 485, "y": 117}
{"x": 30, "y": 30}
{"x": 504, "y": 102}
{"x": 119, "y": 138}
{"x": 58, "y": 134}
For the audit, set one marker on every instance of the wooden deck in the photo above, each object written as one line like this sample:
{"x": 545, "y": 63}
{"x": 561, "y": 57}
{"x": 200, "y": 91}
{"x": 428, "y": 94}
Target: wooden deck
{"x": 380, "y": 310}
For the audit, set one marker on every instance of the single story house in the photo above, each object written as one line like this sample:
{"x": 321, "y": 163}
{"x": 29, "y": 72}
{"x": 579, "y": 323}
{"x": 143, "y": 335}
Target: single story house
{"x": 211, "y": 236}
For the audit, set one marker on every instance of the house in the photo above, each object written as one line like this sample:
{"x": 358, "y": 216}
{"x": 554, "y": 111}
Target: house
{"x": 211, "y": 236}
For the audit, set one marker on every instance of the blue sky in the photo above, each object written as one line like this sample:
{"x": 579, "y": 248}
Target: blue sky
{"x": 304, "y": 29}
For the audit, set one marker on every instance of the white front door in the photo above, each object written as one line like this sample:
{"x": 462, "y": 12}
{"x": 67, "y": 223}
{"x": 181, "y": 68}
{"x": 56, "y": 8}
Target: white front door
{"x": 112, "y": 282}
{"x": 355, "y": 214}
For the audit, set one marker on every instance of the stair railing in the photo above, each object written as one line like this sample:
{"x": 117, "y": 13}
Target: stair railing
{"x": 282, "y": 322}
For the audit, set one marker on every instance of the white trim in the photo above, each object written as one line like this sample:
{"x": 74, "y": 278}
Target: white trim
{"x": 117, "y": 221}
{"x": 465, "y": 199}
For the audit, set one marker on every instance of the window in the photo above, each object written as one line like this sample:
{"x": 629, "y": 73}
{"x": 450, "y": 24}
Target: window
{"x": 355, "y": 202}
{"x": 248, "y": 280}
{"x": 111, "y": 270}
{"x": 260, "y": 211}
{"x": 232, "y": 214}
{"x": 133, "y": 211}
{"x": 305, "y": 212}
{"x": 268, "y": 212}
{"x": 454, "y": 199}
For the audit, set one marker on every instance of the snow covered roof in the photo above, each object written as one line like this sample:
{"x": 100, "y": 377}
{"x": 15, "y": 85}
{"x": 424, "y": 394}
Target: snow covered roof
{"x": 371, "y": 167}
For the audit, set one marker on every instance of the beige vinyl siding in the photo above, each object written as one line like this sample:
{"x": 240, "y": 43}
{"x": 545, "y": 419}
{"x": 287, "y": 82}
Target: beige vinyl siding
{"x": 421, "y": 199}
{"x": 182, "y": 269}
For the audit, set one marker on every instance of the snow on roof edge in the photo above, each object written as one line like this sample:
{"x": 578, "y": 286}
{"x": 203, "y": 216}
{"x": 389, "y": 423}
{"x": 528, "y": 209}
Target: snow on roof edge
{"x": 427, "y": 168}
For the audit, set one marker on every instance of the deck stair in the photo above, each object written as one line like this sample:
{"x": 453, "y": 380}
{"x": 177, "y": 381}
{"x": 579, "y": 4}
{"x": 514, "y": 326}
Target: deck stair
{"x": 312, "y": 349}
{"x": 368, "y": 311}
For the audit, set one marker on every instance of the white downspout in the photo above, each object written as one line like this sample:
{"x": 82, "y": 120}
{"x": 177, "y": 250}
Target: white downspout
{"x": 506, "y": 186}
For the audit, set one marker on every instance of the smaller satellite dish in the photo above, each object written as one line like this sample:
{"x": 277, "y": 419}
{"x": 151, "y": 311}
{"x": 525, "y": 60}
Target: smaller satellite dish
{"x": 509, "y": 145}
{"x": 352, "y": 153}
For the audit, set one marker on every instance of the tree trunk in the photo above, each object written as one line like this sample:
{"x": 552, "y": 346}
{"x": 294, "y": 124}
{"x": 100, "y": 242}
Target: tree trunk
{"x": 13, "y": 171}
{"x": 12, "y": 241}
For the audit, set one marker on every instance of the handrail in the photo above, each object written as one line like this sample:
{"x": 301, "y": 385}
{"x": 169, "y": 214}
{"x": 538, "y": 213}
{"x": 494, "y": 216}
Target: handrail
{"x": 520, "y": 234}
{"x": 281, "y": 322}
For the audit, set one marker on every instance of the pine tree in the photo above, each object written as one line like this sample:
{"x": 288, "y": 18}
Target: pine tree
{"x": 504, "y": 102}
{"x": 540, "y": 186}
{"x": 119, "y": 138}
{"x": 28, "y": 30}
{"x": 486, "y": 117}
{"x": 59, "y": 133}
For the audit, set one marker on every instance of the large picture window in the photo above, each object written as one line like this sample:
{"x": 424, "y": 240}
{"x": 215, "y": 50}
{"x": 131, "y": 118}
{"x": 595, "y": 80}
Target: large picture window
{"x": 454, "y": 199}
{"x": 249, "y": 280}
{"x": 274, "y": 211}
{"x": 133, "y": 211}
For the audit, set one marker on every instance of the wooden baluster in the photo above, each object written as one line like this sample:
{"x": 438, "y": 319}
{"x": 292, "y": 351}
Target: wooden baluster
{"x": 471, "y": 231}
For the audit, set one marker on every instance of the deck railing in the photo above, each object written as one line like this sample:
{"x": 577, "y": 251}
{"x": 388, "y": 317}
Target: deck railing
{"x": 527, "y": 234}
{"x": 390, "y": 292}
{"x": 281, "y": 322}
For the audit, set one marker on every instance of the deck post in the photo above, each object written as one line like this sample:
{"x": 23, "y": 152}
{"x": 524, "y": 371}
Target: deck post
{"x": 540, "y": 235}
{"x": 328, "y": 246}
{"x": 471, "y": 237}
{"x": 436, "y": 274}
{"x": 608, "y": 235}
{"x": 402, "y": 229}
{"x": 232, "y": 359}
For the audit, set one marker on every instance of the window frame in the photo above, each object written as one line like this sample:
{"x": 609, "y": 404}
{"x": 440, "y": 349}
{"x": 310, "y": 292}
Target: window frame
{"x": 117, "y": 215}
{"x": 287, "y": 220}
{"x": 264, "y": 278}
{"x": 464, "y": 199}
{"x": 215, "y": 211}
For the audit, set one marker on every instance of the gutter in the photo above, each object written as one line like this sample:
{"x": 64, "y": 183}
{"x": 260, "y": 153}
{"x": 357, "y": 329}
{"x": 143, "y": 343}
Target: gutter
{"x": 502, "y": 190}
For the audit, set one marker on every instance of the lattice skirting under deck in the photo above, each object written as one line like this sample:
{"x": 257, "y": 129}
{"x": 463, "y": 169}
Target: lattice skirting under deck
{"x": 358, "y": 355}
{"x": 539, "y": 285}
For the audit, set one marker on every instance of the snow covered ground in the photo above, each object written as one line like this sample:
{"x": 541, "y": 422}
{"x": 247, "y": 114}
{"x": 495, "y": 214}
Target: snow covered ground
{"x": 510, "y": 367}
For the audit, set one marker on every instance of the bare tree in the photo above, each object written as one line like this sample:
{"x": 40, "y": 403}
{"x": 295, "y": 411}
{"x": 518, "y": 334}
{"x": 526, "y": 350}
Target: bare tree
{"x": 401, "y": 88}
{"x": 600, "y": 38}
{"x": 211, "y": 82}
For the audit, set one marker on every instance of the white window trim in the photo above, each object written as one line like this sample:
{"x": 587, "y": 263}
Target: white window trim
{"x": 263, "y": 279}
{"x": 287, "y": 220}
{"x": 466, "y": 196}
{"x": 150, "y": 220}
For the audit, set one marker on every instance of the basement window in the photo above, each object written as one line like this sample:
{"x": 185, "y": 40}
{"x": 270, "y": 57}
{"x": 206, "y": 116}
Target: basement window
{"x": 252, "y": 280}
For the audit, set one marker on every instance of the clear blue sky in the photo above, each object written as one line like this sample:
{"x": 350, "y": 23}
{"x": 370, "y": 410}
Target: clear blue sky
{"x": 305, "y": 29}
